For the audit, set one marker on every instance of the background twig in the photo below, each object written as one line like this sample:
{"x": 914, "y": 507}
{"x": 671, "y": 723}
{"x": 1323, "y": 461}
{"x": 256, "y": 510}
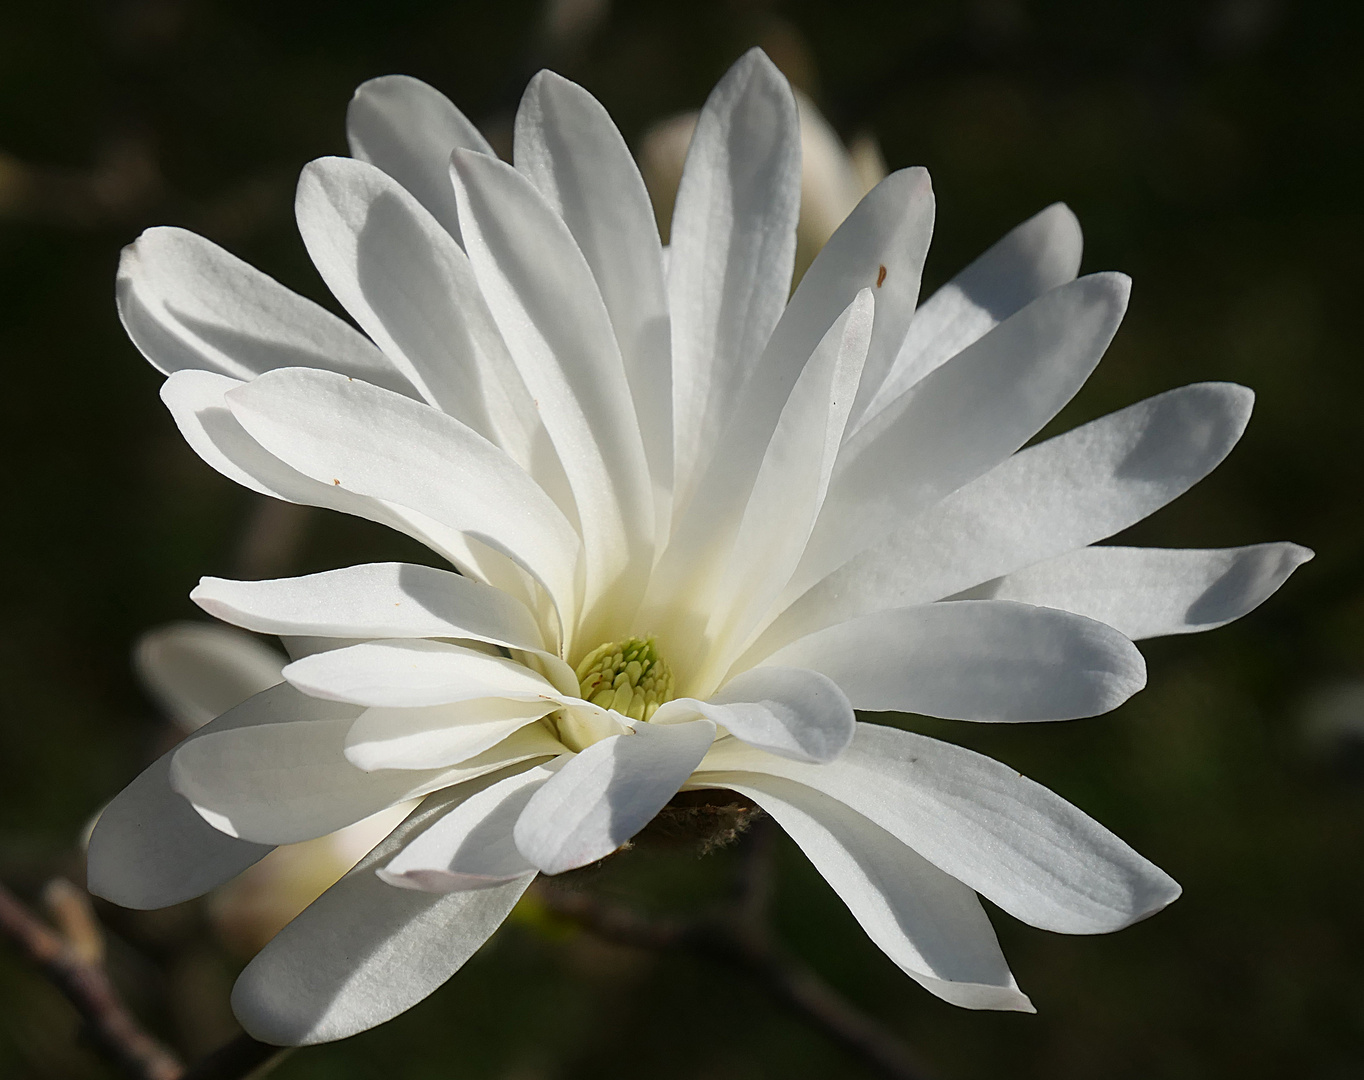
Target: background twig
{"x": 72, "y": 960}
{"x": 112, "y": 1029}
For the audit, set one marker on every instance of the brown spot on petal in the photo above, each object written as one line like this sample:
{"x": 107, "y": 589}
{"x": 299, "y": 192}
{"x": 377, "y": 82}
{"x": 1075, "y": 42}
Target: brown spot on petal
{"x": 881, "y": 276}
{"x": 337, "y": 483}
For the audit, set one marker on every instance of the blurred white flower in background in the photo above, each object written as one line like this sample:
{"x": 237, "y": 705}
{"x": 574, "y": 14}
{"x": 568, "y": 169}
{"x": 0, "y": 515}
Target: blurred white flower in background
{"x": 196, "y": 672}
{"x": 696, "y": 527}
{"x": 833, "y": 178}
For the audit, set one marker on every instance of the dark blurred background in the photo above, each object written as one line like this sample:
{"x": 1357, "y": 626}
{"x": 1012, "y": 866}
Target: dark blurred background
{"x": 1212, "y": 149}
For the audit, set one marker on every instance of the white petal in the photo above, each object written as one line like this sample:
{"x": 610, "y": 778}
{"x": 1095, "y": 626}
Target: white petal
{"x": 415, "y": 672}
{"x": 604, "y": 795}
{"x": 150, "y": 848}
{"x": 794, "y": 476}
{"x": 409, "y": 130}
{"x": 964, "y": 418}
{"x": 410, "y": 287}
{"x": 547, "y": 305}
{"x": 991, "y": 660}
{"x": 197, "y": 671}
{"x": 364, "y": 951}
{"x": 1149, "y": 592}
{"x": 1030, "y": 260}
{"x": 733, "y": 243}
{"x": 888, "y": 231}
{"x": 372, "y": 442}
{"x": 190, "y": 305}
{"x": 1051, "y": 498}
{"x": 810, "y": 320}
{"x": 437, "y": 735}
{"x": 1008, "y": 838}
{"x": 568, "y": 147}
{"x": 472, "y": 846}
{"x": 741, "y": 537}
{"x": 287, "y": 781}
{"x": 197, "y": 401}
{"x": 798, "y": 714}
{"x": 376, "y": 600}
{"x": 931, "y": 925}
{"x": 284, "y": 782}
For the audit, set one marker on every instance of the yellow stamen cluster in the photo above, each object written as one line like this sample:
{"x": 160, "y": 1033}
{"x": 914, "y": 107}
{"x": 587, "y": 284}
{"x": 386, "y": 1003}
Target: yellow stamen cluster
{"x": 628, "y": 676}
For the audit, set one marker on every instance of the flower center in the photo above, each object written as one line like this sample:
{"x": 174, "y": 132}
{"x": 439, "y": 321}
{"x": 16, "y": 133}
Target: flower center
{"x": 628, "y": 676}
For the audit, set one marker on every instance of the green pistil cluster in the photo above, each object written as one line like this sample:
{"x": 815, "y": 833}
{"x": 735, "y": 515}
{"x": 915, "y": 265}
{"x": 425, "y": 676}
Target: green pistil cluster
{"x": 628, "y": 676}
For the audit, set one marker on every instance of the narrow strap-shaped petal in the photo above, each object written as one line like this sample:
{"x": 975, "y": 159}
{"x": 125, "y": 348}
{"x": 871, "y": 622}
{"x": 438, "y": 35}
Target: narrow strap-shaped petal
{"x": 732, "y": 248}
{"x": 410, "y": 287}
{"x": 931, "y": 925}
{"x": 197, "y": 401}
{"x": 376, "y": 443}
{"x": 892, "y": 225}
{"x": 569, "y": 148}
{"x": 1051, "y": 498}
{"x": 1150, "y": 592}
{"x": 741, "y": 537}
{"x": 991, "y": 660}
{"x": 197, "y": 671}
{"x": 409, "y": 130}
{"x": 964, "y": 418}
{"x": 607, "y": 793}
{"x": 282, "y": 782}
{"x": 436, "y": 736}
{"x": 364, "y": 951}
{"x": 1005, "y": 836}
{"x": 798, "y": 714}
{"x": 150, "y": 848}
{"x": 415, "y": 672}
{"x": 375, "y": 600}
{"x": 790, "y": 487}
{"x": 881, "y": 246}
{"x": 547, "y": 305}
{"x": 472, "y": 846}
{"x": 1027, "y": 262}
{"x": 189, "y": 305}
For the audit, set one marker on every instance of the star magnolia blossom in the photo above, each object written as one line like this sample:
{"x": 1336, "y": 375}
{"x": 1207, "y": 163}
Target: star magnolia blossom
{"x": 696, "y": 526}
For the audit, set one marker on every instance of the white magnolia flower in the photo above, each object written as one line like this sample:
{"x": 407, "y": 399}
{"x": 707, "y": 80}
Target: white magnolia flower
{"x": 196, "y": 672}
{"x": 696, "y": 527}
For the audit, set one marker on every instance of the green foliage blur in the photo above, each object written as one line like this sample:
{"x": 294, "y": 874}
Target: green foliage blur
{"x": 1212, "y": 149}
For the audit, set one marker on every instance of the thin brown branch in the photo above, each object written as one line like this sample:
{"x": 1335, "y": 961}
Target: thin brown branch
{"x": 738, "y": 937}
{"x": 113, "y": 1030}
{"x": 71, "y": 912}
